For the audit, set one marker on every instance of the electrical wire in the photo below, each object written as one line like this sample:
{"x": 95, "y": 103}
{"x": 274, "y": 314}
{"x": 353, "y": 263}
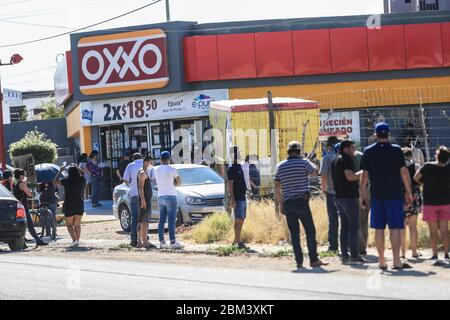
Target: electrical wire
{"x": 35, "y": 24}
{"x": 80, "y": 29}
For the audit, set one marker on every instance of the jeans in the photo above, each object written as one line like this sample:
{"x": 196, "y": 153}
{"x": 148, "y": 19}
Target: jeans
{"x": 95, "y": 185}
{"x": 298, "y": 209}
{"x": 350, "y": 224}
{"x": 53, "y": 208}
{"x": 134, "y": 208}
{"x": 30, "y": 226}
{"x": 333, "y": 222}
{"x": 167, "y": 210}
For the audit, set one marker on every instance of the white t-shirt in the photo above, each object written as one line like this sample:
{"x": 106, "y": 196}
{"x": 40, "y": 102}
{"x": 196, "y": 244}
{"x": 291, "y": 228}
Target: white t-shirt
{"x": 165, "y": 179}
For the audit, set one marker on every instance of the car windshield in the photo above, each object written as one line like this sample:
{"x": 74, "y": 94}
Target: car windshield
{"x": 4, "y": 193}
{"x": 199, "y": 176}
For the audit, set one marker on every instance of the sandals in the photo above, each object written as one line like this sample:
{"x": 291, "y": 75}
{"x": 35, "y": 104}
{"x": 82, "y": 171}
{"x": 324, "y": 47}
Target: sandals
{"x": 402, "y": 267}
{"x": 383, "y": 267}
{"x": 417, "y": 256}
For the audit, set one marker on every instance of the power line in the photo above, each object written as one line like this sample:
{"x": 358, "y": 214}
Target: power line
{"x": 80, "y": 29}
{"x": 34, "y": 24}
{"x": 29, "y": 72}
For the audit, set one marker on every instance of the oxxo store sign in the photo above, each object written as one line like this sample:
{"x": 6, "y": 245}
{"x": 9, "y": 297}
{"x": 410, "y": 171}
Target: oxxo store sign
{"x": 123, "y": 62}
{"x": 150, "y": 108}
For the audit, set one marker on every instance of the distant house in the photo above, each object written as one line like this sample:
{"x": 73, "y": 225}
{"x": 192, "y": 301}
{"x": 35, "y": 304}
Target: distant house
{"x": 24, "y": 106}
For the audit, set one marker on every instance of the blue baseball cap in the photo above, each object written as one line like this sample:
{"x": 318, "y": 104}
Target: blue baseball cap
{"x": 165, "y": 155}
{"x": 382, "y": 128}
{"x": 337, "y": 147}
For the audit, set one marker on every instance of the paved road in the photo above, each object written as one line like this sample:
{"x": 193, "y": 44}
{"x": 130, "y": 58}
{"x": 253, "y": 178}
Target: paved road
{"x": 26, "y": 277}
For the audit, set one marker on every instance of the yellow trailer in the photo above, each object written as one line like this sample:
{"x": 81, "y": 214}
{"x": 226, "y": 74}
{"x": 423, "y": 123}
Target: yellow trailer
{"x": 247, "y": 124}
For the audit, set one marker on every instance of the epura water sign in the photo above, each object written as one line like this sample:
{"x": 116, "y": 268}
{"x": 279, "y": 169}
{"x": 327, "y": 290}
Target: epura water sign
{"x": 121, "y": 62}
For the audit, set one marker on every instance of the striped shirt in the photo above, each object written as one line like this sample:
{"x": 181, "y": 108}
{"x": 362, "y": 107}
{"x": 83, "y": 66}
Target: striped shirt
{"x": 293, "y": 175}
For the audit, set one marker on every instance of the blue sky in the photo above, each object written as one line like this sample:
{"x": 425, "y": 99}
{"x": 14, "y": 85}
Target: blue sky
{"x": 22, "y": 20}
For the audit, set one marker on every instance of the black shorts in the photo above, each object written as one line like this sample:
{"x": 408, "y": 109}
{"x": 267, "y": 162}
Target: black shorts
{"x": 144, "y": 215}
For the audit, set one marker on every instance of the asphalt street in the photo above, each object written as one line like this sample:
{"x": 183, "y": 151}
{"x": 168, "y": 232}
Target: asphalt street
{"x": 29, "y": 277}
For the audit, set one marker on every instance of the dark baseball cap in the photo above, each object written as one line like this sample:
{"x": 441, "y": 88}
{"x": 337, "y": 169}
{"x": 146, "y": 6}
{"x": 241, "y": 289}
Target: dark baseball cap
{"x": 165, "y": 155}
{"x": 382, "y": 128}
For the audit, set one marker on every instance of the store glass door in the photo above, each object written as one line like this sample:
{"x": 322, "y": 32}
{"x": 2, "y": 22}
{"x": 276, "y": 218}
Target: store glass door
{"x": 160, "y": 138}
{"x": 138, "y": 139}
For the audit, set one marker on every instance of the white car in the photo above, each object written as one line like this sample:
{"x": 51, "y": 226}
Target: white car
{"x": 202, "y": 193}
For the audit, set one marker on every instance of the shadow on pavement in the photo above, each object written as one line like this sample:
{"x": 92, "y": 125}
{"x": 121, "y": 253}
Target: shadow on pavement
{"x": 78, "y": 249}
{"x": 409, "y": 273}
{"x": 314, "y": 270}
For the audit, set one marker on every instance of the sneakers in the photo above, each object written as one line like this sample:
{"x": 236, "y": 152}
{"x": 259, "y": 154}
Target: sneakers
{"x": 318, "y": 264}
{"x": 176, "y": 246}
{"x": 345, "y": 260}
{"x": 163, "y": 246}
{"x": 74, "y": 244}
{"x": 133, "y": 244}
{"x": 241, "y": 246}
{"x": 41, "y": 243}
{"x": 358, "y": 260}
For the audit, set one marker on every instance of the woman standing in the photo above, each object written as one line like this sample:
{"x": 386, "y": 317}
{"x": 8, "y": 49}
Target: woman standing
{"x": 412, "y": 212}
{"x": 93, "y": 169}
{"x": 82, "y": 162}
{"x": 73, "y": 207}
{"x": 435, "y": 177}
{"x": 22, "y": 193}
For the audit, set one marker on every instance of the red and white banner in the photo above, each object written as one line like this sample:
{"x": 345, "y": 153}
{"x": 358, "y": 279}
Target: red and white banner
{"x": 123, "y": 62}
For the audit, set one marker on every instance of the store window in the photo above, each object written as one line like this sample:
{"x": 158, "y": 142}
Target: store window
{"x": 112, "y": 141}
{"x": 138, "y": 138}
{"x": 160, "y": 138}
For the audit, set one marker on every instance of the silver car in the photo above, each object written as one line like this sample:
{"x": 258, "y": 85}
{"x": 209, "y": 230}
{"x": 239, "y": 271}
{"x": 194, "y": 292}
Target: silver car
{"x": 202, "y": 193}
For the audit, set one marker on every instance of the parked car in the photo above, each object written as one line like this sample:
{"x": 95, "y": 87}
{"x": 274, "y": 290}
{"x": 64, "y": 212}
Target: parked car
{"x": 13, "y": 220}
{"x": 202, "y": 193}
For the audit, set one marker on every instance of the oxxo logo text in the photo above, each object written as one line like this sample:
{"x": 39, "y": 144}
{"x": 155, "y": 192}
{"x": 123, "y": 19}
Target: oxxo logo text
{"x": 122, "y": 62}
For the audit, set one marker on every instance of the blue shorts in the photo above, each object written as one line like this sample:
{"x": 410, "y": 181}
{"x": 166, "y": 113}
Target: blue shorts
{"x": 241, "y": 210}
{"x": 387, "y": 212}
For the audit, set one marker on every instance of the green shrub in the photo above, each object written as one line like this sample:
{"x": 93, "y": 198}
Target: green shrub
{"x": 37, "y": 144}
{"x": 214, "y": 228}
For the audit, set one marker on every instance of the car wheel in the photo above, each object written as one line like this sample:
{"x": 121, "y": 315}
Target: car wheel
{"x": 125, "y": 218}
{"x": 16, "y": 245}
{"x": 179, "y": 221}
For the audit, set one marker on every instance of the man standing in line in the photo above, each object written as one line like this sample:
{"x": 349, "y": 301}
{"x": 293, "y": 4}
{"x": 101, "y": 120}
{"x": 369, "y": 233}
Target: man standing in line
{"x": 237, "y": 189}
{"x": 364, "y": 212}
{"x": 145, "y": 202}
{"x": 120, "y": 172}
{"x": 292, "y": 193}
{"x": 328, "y": 189}
{"x": 167, "y": 179}
{"x": 383, "y": 163}
{"x": 130, "y": 178}
{"x": 345, "y": 181}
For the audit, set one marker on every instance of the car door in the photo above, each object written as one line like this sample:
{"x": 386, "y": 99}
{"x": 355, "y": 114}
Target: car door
{"x": 155, "y": 206}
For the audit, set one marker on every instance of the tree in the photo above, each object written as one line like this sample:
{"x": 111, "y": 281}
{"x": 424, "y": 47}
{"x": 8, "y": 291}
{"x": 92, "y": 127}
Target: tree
{"x": 51, "y": 110}
{"x": 37, "y": 144}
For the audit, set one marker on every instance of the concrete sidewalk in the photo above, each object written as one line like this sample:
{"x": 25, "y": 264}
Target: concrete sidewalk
{"x": 103, "y": 213}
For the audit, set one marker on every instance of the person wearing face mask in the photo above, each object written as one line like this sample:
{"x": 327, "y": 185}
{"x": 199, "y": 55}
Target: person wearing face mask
{"x": 412, "y": 212}
{"x": 22, "y": 193}
{"x": 145, "y": 202}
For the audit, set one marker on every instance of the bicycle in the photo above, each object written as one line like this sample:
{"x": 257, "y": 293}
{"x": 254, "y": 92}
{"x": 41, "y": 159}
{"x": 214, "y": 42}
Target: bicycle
{"x": 45, "y": 220}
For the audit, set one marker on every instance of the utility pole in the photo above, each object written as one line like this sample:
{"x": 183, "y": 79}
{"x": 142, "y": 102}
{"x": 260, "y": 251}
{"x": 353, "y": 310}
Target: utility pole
{"x": 15, "y": 59}
{"x": 167, "y": 10}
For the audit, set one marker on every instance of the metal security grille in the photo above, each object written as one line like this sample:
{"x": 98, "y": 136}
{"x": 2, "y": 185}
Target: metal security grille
{"x": 428, "y": 5}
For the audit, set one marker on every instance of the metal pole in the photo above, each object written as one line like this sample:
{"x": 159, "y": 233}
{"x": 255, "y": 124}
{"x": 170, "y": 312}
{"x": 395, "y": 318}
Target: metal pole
{"x": 2, "y": 134}
{"x": 424, "y": 129}
{"x": 167, "y": 10}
